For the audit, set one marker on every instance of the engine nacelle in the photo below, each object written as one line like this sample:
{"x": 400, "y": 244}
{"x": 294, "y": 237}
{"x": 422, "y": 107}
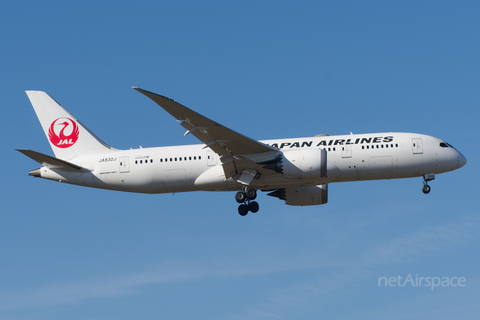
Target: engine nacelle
{"x": 305, "y": 163}
{"x": 303, "y": 196}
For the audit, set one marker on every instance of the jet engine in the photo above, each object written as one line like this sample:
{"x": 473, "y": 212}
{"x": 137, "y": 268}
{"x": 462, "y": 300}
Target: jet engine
{"x": 305, "y": 163}
{"x": 303, "y": 196}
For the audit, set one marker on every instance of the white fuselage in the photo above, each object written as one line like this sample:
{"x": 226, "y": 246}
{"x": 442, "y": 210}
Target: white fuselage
{"x": 194, "y": 167}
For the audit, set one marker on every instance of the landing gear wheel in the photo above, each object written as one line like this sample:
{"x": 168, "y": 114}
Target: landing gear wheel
{"x": 245, "y": 197}
{"x": 240, "y": 197}
{"x": 253, "y": 206}
{"x": 251, "y": 194}
{"x": 243, "y": 210}
{"x": 426, "y": 189}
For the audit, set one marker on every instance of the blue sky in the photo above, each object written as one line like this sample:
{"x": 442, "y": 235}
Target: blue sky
{"x": 268, "y": 70}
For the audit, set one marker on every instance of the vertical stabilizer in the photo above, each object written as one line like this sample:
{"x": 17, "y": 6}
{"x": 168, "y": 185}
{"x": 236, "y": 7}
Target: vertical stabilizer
{"x": 67, "y": 136}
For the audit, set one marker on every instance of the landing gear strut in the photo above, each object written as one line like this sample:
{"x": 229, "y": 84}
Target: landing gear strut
{"x": 245, "y": 197}
{"x": 427, "y": 177}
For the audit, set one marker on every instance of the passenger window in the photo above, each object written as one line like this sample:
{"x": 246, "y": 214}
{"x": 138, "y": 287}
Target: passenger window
{"x": 396, "y": 145}
{"x": 151, "y": 160}
{"x": 199, "y": 158}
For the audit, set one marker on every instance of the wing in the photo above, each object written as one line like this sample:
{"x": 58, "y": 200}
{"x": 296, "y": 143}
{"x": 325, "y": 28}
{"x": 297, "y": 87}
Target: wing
{"x": 222, "y": 140}
{"x": 240, "y": 155}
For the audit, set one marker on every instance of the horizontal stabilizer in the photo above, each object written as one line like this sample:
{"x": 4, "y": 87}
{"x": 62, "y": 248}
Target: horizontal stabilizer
{"x": 50, "y": 162}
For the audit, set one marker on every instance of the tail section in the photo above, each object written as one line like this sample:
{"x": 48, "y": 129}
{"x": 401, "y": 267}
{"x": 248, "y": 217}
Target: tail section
{"x": 67, "y": 136}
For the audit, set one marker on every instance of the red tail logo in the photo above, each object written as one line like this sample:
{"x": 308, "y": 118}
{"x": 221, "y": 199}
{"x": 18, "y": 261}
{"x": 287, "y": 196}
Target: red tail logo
{"x": 63, "y": 133}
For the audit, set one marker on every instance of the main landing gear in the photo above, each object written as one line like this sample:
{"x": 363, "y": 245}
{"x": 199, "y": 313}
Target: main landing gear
{"x": 427, "y": 177}
{"x": 245, "y": 197}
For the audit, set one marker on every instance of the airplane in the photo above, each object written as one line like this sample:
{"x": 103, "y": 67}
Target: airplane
{"x": 296, "y": 170}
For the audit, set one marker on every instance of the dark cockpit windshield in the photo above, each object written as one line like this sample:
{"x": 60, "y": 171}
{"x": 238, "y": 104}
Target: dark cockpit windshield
{"x": 446, "y": 145}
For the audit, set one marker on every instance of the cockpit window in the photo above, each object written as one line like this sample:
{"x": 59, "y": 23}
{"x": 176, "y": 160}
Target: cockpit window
{"x": 445, "y": 145}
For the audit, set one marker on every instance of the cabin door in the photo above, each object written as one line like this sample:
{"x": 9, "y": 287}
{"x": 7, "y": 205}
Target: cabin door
{"x": 417, "y": 145}
{"x": 124, "y": 167}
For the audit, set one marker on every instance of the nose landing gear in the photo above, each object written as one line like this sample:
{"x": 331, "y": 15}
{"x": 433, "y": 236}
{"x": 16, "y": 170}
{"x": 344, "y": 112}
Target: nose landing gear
{"x": 426, "y": 188}
{"x": 427, "y": 177}
{"x": 245, "y": 197}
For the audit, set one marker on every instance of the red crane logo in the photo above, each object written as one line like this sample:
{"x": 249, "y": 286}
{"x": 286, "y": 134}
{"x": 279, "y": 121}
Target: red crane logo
{"x": 63, "y": 137}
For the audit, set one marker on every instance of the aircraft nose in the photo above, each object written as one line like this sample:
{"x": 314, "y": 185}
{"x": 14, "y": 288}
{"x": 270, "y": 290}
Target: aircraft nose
{"x": 461, "y": 160}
